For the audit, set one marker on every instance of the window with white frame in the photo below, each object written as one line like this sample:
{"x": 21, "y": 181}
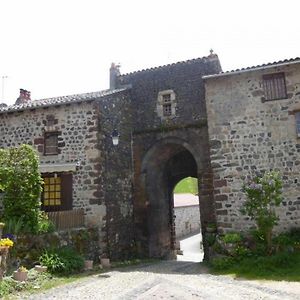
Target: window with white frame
{"x": 166, "y": 104}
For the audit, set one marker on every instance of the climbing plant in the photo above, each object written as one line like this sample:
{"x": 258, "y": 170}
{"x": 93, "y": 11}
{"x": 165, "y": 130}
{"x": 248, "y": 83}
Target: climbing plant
{"x": 21, "y": 186}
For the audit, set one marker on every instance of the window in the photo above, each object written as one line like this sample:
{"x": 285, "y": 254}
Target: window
{"x": 52, "y": 191}
{"x": 50, "y": 120}
{"x": 57, "y": 192}
{"x": 297, "y": 115}
{"x": 51, "y": 143}
{"x": 274, "y": 86}
{"x": 166, "y": 104}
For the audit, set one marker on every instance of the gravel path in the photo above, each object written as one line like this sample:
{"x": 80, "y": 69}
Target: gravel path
{"x": 170, "y": 280}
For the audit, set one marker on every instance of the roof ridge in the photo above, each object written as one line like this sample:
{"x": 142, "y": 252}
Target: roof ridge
{"x": 60, "y": 100}
{"x": 211, "y": 56}
{"x": 269, "y": 64}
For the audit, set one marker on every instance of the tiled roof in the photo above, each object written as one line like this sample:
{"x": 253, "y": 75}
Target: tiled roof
{"x": 59, "y": 100}
{"x": 211, "y": 56}
{"x": 258, "y": 67}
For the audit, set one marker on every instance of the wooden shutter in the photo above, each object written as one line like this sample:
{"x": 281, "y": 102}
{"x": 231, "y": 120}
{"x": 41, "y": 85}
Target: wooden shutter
{"x": 66, "y": 191}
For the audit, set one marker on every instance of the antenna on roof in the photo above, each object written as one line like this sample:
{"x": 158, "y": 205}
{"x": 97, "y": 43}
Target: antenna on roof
{"x": 3, "y": 77}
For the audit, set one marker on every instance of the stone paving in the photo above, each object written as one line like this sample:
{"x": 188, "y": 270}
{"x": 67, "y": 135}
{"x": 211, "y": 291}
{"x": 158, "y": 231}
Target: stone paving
{"x": 170, "y": 280}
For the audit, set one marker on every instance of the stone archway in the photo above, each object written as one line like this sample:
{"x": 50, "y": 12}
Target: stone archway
{"x": 163, "y": 166}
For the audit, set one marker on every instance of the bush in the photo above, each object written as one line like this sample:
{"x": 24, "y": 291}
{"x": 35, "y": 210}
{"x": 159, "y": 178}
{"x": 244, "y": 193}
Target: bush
{"x": 263, "y": 194}
{"x": 222, "y": 263}
{"x": 44, "y": 224}
{"x": 64, "y": 260}
{"x": 21, "y": 184}
{"x": 232, "y": 238}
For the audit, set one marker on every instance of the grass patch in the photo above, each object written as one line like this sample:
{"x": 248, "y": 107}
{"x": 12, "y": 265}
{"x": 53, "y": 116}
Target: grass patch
{"x": 282, "y": 266}
{"x": 187, "y": 185}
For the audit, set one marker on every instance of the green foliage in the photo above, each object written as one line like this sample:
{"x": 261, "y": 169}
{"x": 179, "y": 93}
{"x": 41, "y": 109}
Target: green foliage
{"x": 62, "y": 261}
{"x": 15, "y": 226}
{"x": 9, "y": 286}
{"x": 210, "y": 238}
{"x": 222, "y": 263}
{"x": 282, "y": 266}
{"x": 187, "y": 185}
{"x": 263, "y": 194}
{"x": 287, "y": 241}
{"x": 21, "y": 183}
{"x": 233, "y": 238}
{"x": 44, "y": 224}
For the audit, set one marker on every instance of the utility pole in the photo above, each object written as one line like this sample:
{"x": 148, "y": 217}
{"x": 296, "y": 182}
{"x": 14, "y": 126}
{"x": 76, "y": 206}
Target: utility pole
{"x": 3, "y": 78}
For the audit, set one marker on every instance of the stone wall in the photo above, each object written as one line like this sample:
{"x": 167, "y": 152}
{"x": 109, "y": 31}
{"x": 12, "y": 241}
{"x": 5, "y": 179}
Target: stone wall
{"x": 187, "y": 220}
{"x": 101, "y": 173}
{"x": 184, "y": 78}
{"x": 248, "y": 134}
{"x": 28, "y": 248}
{"x": 116, "y": 114}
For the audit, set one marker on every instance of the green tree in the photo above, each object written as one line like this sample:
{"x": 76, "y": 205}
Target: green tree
{"x": 21, "y": 184}
{"x": 264, "y": 193}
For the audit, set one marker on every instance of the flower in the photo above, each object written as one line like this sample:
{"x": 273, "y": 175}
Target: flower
{"x": 6, "y": 242}
{"x": 22, "y": 269}
{"x": 10, "y": 236}
{"x": 255, "y": 186}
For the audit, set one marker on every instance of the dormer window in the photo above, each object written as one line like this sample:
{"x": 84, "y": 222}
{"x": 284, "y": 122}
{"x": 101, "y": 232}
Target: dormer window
{"x": 274, "y": 86}
{"x": 166, "y": 104}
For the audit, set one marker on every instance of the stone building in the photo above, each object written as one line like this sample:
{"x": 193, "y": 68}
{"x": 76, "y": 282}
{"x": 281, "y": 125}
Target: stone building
{"x": 167, "y": 131}
{"x": 254, "y": 125}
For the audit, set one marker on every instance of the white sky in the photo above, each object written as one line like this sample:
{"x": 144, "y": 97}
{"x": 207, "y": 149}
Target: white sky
{"x": 61, "y": 47}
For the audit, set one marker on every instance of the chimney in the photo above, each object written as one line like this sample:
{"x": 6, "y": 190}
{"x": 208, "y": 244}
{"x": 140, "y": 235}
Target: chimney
{"x": 114, "y": 72}
{"x": 24, "y": 97}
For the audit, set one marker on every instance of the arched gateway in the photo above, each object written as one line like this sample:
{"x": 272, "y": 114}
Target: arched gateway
{"x": 168, "y": 161}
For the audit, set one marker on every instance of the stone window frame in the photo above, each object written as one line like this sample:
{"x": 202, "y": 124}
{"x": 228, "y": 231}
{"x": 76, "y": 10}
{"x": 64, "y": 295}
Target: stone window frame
{"x": 166, "y": 109}
{"x": 53, "y": 147}
{"x": 274, "y": 86}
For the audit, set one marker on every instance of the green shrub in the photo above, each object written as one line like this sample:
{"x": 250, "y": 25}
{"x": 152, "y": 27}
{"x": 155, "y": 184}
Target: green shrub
{"x": 44, "y": 224}
{"x": 232, "y": 238}
{"x": 263, "y": 194}
{"x": 210, "y": 239}
{"x": 222, "y": 263}
{"x": 21, "y": 184}
{"x": 15, "y": 226}
{"x": 64, "y": 260}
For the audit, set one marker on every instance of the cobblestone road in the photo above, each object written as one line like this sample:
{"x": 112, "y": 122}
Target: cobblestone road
{"x": 170, "y": 280}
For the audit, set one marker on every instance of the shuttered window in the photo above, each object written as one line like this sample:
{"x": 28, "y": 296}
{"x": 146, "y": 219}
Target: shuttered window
{"x": 274, "y": 86}
{"x": 57, "y": 192}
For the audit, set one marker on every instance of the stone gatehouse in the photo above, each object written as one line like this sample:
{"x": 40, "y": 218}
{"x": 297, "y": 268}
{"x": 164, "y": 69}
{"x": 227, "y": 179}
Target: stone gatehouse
{"x": 174, "y": 121}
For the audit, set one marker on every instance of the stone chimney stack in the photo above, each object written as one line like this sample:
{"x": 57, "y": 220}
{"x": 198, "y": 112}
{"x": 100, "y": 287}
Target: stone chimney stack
{"x": 24, "y": 97}
{"x": 114, "y": 72}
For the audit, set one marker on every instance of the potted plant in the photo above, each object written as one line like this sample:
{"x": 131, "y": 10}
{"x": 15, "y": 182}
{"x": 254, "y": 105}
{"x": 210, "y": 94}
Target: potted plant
{"x": 104, "y": 261}
{"x": 21, "y": 274}
{"x": 40, "y": 268}
{"x": 5, "y": 244}
{"x": 88, "y": 264}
